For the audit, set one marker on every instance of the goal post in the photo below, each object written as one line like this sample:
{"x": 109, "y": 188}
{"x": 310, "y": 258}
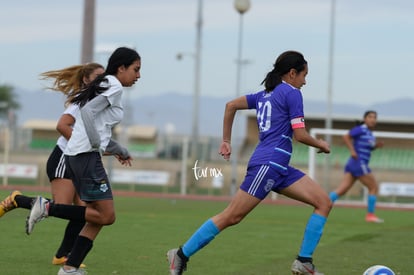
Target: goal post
{"x": 392, "y": 165}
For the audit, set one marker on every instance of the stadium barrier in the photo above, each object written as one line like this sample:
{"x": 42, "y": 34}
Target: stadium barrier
{"x": 22, "y": 171}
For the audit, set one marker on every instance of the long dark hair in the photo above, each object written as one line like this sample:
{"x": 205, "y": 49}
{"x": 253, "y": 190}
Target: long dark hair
{"x": 122, "y": 56}
{"x": 283, "y": 64}
{"x": 367, "y": 113}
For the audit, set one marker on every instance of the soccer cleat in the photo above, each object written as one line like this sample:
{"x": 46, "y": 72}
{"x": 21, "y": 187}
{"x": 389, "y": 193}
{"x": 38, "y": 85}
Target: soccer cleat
{"x": 59, "y": 261}
{"x": 371, "y": 217}
{"x": 9, "y": 203}
{"x": 38, "y": 212}
{"x": 299, "y": 268}
{"x": 73, "y": 271}
{"x": 177, "y": 264}
{"x": 62, "y": 261}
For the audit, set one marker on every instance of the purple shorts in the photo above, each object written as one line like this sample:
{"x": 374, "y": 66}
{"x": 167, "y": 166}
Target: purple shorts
{"x": 260, "y": 180}
{"x": 357, "y": 167}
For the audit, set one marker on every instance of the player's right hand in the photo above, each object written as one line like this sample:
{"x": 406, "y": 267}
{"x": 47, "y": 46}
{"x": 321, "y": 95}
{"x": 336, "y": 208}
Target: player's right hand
{"x": 324, "y": 147}
{"x": 225, "y": 150}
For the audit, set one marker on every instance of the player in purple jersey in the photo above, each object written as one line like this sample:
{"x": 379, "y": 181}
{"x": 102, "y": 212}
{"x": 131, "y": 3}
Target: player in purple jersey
{"x": 279, "y": 109}
{"x": 360, "y": 142}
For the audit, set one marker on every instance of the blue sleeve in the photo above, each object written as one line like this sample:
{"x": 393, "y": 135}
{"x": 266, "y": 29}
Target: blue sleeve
{"x": 252, "y": 100}
{"x": 295, "y": 104}
{"x": 356, "y": 131}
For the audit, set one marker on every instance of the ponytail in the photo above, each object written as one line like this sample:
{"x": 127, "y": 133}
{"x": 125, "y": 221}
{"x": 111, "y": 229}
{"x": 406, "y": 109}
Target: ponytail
{"x": 283, "y": 64}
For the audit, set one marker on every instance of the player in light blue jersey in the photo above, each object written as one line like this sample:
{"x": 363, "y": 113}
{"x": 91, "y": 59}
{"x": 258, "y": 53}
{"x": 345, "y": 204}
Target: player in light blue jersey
{"x": 280, "y": 118}
{"x": 360, "y": 142}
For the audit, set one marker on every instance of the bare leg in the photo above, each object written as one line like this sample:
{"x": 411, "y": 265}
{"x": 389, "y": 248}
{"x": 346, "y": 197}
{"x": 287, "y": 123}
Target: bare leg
{"x": 100, "y": 212}
{"x": 239, "y": 207}
{"x": 309, "y": 192}
{"x": 369, "y": 181}
{"x": 346, "y": 184}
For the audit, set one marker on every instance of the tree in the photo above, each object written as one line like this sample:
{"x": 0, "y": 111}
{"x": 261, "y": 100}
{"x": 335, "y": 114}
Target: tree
{"x": 8, "y": 100}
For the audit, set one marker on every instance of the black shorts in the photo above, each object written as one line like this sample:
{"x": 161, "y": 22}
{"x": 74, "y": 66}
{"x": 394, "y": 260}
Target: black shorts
{"x": 89, "y": 176}
{"x": 55, "y": 166}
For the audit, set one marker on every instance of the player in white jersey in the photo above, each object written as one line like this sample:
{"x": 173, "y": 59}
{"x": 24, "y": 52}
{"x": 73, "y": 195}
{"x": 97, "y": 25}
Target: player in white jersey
{"x": 100, "y": 110}
{"x": 70, "y": 82}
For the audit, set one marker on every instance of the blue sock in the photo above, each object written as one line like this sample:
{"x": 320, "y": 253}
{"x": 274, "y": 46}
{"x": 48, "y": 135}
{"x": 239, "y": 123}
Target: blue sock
{"x": 372, "y": 200}
{"x": 204, "y": 234}
{"x": 313, "y": 233}
{"x": 333, "y": 196}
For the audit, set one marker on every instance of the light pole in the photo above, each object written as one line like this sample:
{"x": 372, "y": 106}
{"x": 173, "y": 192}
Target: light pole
{"x": 241, "y": 6}
{"x": 328, "y": 120}
{"x": 196, "y": 101}
{"x": 88, "y": 31}
{"x": 196, "y": 97}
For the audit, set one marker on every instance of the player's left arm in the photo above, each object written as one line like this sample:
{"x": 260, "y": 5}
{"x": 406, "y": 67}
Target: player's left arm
{"x": 302, "y": 135}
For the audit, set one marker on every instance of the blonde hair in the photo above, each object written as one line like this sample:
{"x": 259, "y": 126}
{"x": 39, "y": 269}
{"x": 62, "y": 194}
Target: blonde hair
{"x": 69, "y": 81}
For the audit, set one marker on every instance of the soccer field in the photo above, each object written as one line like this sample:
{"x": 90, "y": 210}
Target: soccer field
{"x": 266, "y": 242}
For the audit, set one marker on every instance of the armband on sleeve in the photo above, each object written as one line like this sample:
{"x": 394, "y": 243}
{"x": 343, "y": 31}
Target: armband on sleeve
{"x": 298, "y": 122}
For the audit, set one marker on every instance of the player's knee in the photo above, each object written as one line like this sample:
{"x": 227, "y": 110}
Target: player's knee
{"x": 327, "y": 206}
{"x": 108, "y": 219}
{"x": 233, "y": 220}
{"x": 324, "y": 206}
{"x": 373, "y": 189}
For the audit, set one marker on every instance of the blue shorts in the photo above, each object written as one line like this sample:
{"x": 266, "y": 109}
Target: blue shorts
{"x": 262, "y": 179}
{"x": 89, "y": 176}
{"x": 357, "y": 168}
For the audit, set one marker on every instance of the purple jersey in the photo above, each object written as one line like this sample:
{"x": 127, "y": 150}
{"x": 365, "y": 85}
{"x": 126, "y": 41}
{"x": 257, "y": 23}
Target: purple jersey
{"x": 278, "y": 113}
{"x": 363, "y": 141}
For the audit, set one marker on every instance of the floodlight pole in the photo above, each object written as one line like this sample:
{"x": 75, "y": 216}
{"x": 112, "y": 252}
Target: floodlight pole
{"x": 328, "y": 120}
{"x": 88, "y": 31}
{"x": 241, "y": 7}
{"x": 196, "y": 97}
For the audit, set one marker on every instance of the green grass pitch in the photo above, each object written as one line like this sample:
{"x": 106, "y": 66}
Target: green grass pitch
{"x": 265, "y": 243}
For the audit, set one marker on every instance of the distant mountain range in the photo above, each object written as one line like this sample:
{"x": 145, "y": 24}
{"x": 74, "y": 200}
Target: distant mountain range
{"x": 172, "y": 112}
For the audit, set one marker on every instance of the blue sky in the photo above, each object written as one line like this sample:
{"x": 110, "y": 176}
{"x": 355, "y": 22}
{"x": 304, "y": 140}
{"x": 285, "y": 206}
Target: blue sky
{"x": 373, "y": 50}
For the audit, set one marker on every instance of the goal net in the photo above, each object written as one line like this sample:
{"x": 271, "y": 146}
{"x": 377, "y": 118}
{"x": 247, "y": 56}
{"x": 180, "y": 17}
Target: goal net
{"x": 392, "y": 166}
